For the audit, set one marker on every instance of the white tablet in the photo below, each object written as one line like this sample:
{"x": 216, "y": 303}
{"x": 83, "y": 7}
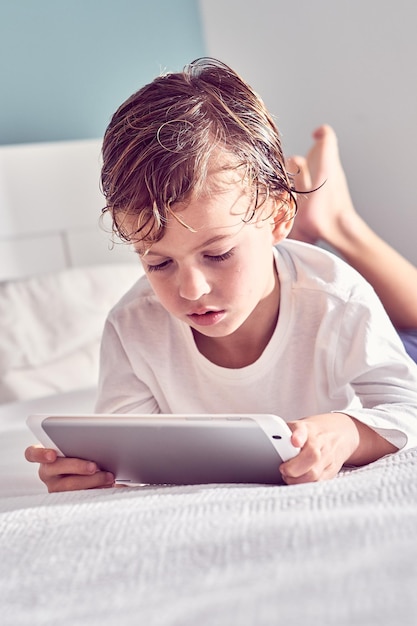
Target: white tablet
{"x": 173, "y": 449}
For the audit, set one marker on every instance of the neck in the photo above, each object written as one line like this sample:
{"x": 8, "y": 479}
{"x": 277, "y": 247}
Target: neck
{"x": 244, "y": 346}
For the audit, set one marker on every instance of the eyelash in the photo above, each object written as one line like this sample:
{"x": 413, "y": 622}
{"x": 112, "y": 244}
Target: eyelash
{"x": 216, "y": 258}
{"x": 157, "y": 268}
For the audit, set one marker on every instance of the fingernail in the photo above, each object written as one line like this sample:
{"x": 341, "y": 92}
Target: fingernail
{"x": 50, "y": 456}
{"x": 91, "y": 468}
{"x": 109, "y": 478}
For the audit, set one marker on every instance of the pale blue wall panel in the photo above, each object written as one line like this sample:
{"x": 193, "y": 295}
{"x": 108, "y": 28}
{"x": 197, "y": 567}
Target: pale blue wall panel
{"x": 65, "y": 65}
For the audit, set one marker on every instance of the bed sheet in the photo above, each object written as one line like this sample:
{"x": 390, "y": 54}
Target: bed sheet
{"x": 337, "y": 552}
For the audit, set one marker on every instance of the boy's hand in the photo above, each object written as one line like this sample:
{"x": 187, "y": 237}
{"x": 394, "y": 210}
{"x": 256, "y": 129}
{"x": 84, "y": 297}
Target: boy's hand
{"x": 327, "y": 442}
{"x": 65, "y": 474}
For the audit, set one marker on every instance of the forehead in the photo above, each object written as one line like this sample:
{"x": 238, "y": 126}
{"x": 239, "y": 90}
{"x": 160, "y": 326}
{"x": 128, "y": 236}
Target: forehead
{"x": 216, "y": 212}
{"x": 221, "y": 198}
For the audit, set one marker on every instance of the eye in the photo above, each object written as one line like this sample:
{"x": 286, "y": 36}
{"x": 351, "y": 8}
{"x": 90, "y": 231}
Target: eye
{"x": 159, "y": 267}
{"x": 217, "y": 258}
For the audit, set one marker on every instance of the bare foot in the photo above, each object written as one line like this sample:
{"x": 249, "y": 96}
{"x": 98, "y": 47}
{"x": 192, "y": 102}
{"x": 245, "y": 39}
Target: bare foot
{"x": 322, "y": 214}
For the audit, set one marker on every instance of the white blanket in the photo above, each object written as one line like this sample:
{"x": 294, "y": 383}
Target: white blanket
{"x": 342, "y": 552}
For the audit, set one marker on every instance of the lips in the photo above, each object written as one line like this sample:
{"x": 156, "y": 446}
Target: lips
{"x": 206, "y": 318}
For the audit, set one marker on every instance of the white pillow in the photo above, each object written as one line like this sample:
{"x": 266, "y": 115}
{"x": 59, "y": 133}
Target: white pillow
{"x": 51, "y": 328}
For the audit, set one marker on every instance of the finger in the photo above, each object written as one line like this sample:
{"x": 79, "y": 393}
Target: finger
{"x": 65, "y": 466}
{"x": 300, "y": 480}
{"x": 299, "y": 434}
{"x": 39, "y": 454}
{"x": 75, "y": 483}
{"x": 315, "y": 474}
{"x": 306, "y": 473}
{"x": 307, "y": 465}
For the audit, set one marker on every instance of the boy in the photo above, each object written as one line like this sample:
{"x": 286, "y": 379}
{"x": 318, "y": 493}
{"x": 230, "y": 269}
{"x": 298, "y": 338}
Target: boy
{"x": 223, "y": 321}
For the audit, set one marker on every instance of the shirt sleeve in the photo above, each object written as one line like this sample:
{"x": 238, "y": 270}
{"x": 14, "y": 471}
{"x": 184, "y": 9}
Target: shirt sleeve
{"x": 369, "y": 355}
{"x": 119, "y": 389}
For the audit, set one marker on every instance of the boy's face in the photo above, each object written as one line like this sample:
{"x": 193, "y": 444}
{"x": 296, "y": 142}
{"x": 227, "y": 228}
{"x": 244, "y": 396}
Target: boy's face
{"x": 218, "y": 277}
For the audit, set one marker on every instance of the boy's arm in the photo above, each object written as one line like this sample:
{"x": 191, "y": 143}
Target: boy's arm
{"x": 327, "y": 442}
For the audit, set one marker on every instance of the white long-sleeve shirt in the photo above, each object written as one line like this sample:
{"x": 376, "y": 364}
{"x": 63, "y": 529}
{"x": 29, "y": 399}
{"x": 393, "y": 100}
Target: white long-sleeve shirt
{"x": 333, "y": 349}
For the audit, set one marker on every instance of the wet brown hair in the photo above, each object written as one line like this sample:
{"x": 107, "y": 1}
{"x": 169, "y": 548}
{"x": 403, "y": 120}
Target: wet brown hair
{"x": 158, "y": 145}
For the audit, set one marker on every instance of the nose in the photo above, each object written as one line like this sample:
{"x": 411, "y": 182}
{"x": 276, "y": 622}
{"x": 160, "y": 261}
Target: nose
{"x": 193, "y": 283}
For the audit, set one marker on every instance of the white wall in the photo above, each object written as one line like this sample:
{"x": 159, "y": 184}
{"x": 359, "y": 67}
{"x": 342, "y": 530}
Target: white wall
{"x": 350, "y": 63}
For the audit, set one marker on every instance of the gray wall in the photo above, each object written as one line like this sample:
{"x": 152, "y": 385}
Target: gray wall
{"x": 65, "y": 65}
{"x": 350, "y": 63}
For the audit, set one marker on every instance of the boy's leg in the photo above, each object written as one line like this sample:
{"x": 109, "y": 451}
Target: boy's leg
{"x": 328, "y": 214}
{"x": 321, "y": 213}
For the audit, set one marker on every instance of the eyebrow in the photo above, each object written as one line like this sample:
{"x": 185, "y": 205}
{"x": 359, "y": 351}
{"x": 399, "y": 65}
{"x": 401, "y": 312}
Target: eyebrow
{"x": 205, "y": 244}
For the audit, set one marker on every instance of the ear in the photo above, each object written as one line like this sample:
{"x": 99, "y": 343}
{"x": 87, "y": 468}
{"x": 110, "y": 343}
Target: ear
{"x": 282, "y": 219}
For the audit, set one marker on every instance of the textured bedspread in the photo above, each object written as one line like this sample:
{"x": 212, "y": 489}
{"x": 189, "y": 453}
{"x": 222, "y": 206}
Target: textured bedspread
{"x": 333, "y": 553}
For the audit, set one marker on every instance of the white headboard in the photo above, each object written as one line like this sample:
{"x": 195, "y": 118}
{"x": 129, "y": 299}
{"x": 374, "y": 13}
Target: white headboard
{"x": 50, "y": 205}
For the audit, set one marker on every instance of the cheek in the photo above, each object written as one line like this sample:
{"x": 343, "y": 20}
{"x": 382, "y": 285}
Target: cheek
{"x": 162, "y": 289}
{"x": 239, "y": 282}
{"x": 255, "y": 272}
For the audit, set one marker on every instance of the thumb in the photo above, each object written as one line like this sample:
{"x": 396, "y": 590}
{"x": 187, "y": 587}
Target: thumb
{"x": 299, "y": 433}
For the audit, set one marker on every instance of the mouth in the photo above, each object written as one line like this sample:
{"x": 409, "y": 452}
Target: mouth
{"x": 206, "y": 318}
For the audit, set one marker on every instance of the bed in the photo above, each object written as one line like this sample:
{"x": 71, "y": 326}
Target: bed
{"x": 338, "y": 552}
